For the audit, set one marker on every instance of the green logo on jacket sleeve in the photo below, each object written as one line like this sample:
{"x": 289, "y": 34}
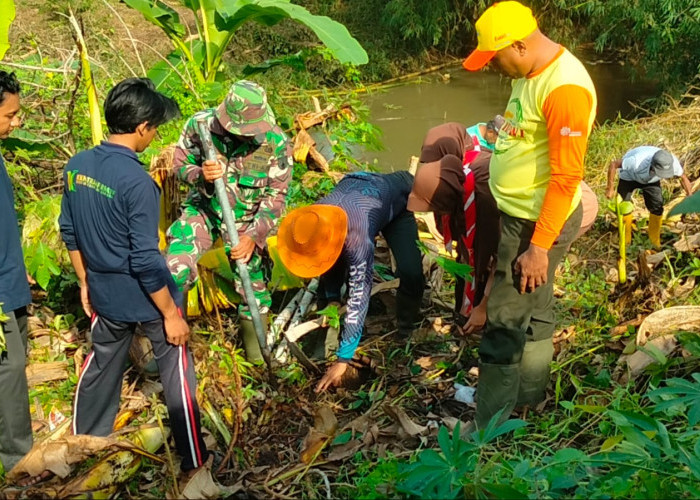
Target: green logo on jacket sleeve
{"x": 71, "y": 179}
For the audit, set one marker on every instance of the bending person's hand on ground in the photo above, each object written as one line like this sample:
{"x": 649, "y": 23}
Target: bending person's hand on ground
{"x": 475, "y": 322}
{"x": 332, "y": 377}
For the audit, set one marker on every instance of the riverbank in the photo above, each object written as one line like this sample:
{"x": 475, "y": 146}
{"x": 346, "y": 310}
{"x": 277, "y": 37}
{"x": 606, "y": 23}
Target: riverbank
{"x": 404, "y": 113}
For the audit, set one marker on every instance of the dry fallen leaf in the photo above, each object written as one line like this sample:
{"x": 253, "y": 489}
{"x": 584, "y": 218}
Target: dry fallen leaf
{"x": 399, "y": 415}
{"x": 639, "y": 360}
{"x": 57, "y": 455}
{"x": 687, "y": 243}
{"x": 201, "y": 485}
{"x": 658, "y": 330}
{"x": 39, "y": 373}
{"x": 425, "y": 362}
{"x": 325, "y": 421}
{"x": 313, "y": 444}
{"x": 669, "y": 320}
{"x": 345, "y": 451}
{"x": 324, "y": 429}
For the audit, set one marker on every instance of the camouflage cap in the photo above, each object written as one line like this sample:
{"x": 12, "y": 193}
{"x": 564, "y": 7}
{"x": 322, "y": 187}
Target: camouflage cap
{"x": 245, "y": 111}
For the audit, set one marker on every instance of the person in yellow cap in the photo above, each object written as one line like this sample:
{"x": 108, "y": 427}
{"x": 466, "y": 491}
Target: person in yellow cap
{"x": 334, "y": 239}
{"x": 535, "y": 178}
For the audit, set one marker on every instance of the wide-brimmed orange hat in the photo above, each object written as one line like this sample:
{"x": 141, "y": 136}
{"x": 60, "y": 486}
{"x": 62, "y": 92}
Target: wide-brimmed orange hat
{"x": 310, "y": 239}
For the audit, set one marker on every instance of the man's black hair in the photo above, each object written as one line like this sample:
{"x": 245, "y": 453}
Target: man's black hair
{"x": 134, "y": 101}
{"x": 8, "y": 84}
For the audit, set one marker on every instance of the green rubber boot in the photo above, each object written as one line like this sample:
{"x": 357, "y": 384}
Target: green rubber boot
{"x": 250, "y": 339}
{"x": 534, "y": 372}
{"x": 497, "y": 389}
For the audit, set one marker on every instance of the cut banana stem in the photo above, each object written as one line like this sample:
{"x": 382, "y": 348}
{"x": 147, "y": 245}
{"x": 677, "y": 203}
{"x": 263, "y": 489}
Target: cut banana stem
{"x": 282, "y": 351}
{"x": 283, "y": 318}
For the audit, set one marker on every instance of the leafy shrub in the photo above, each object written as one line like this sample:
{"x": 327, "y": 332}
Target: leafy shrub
{"x": 45, "y": 254}
{"x": 646, "y": 450}
{"x": 652, "y": 30}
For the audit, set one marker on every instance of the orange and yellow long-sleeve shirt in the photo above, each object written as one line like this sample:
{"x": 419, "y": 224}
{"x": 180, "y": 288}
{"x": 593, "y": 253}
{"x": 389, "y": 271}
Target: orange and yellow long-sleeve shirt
{"x": 537, "y": 166}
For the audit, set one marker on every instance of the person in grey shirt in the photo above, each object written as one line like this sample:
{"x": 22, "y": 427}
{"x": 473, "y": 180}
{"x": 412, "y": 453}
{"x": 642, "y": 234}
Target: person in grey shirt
{"x": 642, "y": 168}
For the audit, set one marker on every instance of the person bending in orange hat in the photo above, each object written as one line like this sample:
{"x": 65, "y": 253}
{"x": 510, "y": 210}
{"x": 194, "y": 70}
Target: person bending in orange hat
{"x": 535, "y": 178}
{"x": 334, "y": 239}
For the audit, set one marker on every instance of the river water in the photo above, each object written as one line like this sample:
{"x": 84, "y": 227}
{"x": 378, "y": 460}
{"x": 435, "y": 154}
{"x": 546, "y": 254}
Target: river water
{"x": 406, "y": 112}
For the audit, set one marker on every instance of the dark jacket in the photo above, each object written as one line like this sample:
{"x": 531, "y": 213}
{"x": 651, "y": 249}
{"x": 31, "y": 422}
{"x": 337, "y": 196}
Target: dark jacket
{"x": 110, "y": 212}
{"x": 371, "y": 201}
{"x": 14, "y": 289}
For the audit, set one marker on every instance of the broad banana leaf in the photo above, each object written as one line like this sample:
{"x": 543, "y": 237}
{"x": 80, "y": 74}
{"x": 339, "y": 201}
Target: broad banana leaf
{"x": 217, "y": 22}
{"x": 161, "y": 15}
{"x": 168, "y": 20}
{"x": 215, "y": 41}
{"x": 281, "y": 278}
{"x": 93, "y": 103}
{"x": 458, "y": 269}
{"x": 7, "y": 15}
{"x": 689, "y": 205}
{"x": 216, "y": 284}
{"x": 217, "y": 261}
{"x": 295, "y": 61}
{"x": 335, "y": 36}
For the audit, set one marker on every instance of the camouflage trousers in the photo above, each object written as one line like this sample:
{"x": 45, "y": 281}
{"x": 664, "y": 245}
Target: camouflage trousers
{"x": 191, "y": 236}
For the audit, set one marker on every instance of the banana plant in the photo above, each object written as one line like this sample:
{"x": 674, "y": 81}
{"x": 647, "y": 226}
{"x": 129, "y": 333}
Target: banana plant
{"x": 197, "y": 59}
{"x": 91, "y": 90}
{"x": 690, "y": 205}
{"x": 621, "y": 208}
{"x": 7, "y": 15}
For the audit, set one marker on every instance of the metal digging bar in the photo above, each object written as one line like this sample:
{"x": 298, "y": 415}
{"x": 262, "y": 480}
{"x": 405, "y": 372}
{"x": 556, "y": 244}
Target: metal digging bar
{"x": 230, "y": 222}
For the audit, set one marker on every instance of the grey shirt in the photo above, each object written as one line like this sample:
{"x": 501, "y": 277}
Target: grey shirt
{"x": 636, "y": 163}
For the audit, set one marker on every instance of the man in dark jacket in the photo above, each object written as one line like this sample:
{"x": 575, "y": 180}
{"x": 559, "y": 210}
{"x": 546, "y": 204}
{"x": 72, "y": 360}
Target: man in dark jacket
{"x": 109, "y": 222}
{"x": 15, "y": 420}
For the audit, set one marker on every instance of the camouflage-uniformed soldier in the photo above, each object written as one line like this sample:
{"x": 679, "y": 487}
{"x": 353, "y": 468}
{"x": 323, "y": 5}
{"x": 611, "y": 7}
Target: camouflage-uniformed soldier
{"x": 255, "y": 160}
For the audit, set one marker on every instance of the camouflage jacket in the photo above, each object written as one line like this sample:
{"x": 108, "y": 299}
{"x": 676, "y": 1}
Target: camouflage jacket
{"x": 257, "y": 172}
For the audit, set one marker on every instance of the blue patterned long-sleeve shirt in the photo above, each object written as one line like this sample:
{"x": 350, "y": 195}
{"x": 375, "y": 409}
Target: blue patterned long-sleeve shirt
{"x": 371, "y": 201}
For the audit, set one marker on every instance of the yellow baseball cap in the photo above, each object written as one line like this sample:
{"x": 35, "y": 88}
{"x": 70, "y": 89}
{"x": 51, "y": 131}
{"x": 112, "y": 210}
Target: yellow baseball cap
{"x": 498, "y": 27}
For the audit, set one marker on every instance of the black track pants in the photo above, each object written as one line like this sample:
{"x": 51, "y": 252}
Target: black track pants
{"x": 99, "y": 387}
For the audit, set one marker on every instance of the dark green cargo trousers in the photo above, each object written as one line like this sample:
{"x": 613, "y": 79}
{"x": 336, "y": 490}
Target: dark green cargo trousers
{"x": 517, "y": 341}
